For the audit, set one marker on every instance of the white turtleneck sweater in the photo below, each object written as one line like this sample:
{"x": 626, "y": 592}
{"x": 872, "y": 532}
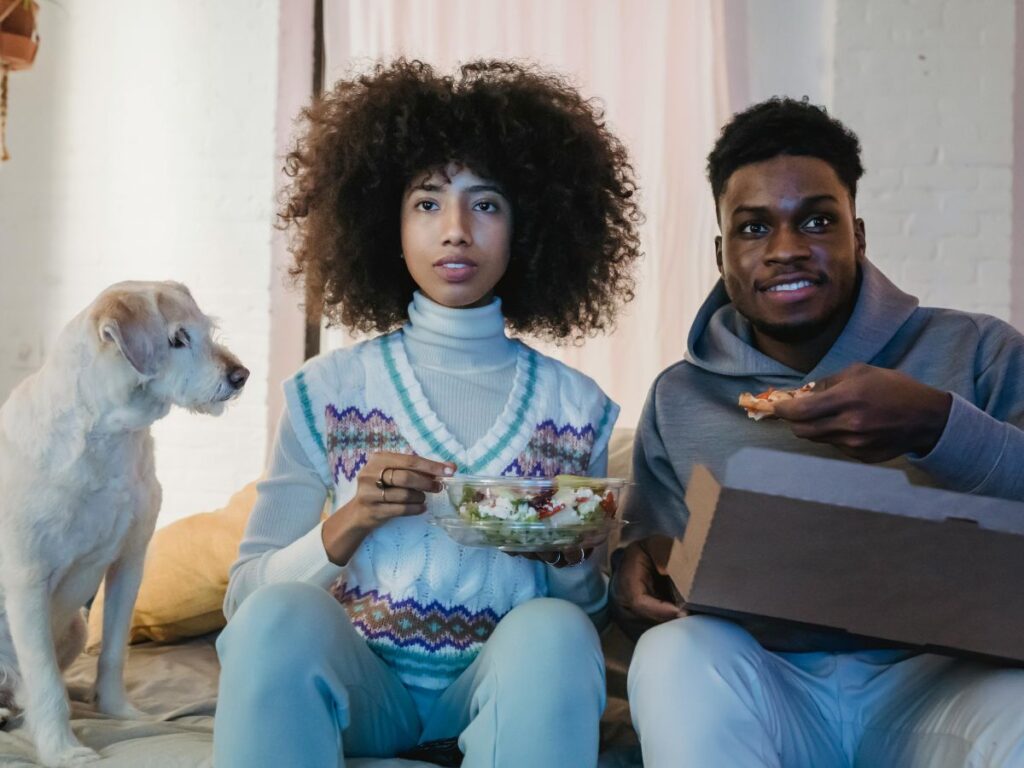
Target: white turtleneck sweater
{"x": 465, "y": 365}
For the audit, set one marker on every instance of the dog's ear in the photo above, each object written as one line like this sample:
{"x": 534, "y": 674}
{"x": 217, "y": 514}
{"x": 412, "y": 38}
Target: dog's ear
{"x": 131, "y": 322}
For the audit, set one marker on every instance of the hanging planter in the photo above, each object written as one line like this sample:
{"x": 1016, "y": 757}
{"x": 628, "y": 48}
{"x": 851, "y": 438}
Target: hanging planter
{"x": 19, "y": 41}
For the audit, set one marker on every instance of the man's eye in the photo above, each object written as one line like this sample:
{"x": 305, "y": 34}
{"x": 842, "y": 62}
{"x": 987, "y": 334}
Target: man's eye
{"x": 753, "y": 228}
{"x": 818, "y": 222}
{"x": 180, "y": 339}
{"x": 426, "y": 205}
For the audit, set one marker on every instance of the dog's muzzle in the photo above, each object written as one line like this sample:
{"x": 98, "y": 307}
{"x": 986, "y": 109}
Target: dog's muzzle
{"x": 236, "y": 378}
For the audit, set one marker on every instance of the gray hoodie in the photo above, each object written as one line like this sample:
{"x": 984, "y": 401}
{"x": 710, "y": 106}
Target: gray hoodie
{"x": 691, "y": 414}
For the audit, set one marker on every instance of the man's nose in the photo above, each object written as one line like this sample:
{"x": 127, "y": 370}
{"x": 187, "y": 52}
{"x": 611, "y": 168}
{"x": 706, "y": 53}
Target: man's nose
{"x": 787, "y": 244}
{"x": 456, "y": 226}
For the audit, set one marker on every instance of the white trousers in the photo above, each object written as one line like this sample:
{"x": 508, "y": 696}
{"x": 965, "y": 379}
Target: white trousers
{"x": 300, "y": 687}
{"x": 704, "y": 694}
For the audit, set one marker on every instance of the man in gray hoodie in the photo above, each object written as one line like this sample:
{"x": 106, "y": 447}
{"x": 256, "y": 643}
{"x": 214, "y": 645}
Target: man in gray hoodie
{"x": 936, "y": 392}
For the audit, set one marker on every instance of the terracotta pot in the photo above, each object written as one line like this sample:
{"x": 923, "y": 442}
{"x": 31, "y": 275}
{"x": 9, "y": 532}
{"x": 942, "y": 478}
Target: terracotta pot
{"x": 19, "y": 39}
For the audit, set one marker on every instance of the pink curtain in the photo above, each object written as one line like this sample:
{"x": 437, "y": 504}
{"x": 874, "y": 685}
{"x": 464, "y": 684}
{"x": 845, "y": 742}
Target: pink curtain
{"x": 654, "y": 66}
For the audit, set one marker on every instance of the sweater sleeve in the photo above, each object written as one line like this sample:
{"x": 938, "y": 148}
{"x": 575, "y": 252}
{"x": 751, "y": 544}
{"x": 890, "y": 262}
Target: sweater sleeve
{"x": 981, "y": 450}
{"x": 585, "y": 584}
{"x": 656, "y": 502}
{"x": 282, "y": 540}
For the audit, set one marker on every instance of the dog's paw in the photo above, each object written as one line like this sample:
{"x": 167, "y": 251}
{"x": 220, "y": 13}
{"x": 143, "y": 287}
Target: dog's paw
{"x": 124, "y": 711}
{"x": 117, "y": 705}
{"x": 69, "y": 757}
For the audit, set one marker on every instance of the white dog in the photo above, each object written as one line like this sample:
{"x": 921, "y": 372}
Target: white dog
{"x": 79, "y": 496}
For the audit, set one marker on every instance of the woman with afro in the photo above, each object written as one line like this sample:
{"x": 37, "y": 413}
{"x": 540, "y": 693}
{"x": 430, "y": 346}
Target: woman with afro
{"x": 438, "y": 212}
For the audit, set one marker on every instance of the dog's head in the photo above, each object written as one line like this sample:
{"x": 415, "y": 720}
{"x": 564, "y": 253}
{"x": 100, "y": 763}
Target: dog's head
{"x": 157, "y": 334}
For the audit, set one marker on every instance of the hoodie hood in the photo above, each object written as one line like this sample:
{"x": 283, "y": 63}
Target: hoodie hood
{"x": 721, "y": 339}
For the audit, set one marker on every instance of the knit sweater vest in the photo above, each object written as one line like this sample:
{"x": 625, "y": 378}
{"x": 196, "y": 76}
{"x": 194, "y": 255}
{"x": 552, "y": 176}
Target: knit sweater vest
{"x": 423, "y": 603}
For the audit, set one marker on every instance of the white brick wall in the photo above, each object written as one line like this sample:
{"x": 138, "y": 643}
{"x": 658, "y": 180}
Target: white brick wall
{"x": 928, "y": 86}
{"x": 143, "y": 147}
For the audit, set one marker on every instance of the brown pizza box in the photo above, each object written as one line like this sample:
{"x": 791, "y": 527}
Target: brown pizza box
{"x": 854, "y": 550}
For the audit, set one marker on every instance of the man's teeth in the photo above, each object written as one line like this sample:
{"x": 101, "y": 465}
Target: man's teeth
{"x": 791, "y": 286}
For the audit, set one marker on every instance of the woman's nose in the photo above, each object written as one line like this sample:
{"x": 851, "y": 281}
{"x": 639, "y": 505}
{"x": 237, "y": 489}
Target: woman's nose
{"x": 456, "y": 226}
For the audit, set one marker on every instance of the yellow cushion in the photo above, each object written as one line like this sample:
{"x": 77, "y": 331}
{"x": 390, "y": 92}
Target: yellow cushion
{"x": 185, "y": 576}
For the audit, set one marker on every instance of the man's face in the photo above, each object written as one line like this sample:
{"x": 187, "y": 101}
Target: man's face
{"x": 789, "y": 248}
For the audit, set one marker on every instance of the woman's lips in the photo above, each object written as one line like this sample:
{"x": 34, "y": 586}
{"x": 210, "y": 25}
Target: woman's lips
{"x": 455, "y": 271}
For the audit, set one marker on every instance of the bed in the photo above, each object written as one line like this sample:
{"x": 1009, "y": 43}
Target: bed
{"x": 176, "y": 685}
{"x": 172, "y": 677}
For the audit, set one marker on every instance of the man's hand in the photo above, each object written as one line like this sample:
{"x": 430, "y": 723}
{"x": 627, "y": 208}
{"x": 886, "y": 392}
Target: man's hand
{"x": 639, "y": 593}
{"x": 871, "y": 414}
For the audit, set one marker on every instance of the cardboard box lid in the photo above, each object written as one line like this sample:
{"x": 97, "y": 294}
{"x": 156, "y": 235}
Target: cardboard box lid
{"x": 856, "y": 548}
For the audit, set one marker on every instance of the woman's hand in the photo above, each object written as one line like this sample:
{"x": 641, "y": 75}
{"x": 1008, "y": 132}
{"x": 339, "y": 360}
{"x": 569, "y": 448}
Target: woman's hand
{"x": 558, "y": 558}
{"x": 390, "y": 485}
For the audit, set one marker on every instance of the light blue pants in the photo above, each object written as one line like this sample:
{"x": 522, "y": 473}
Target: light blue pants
{"x": 703, "y": 693}
{"x": 299, "y": 686}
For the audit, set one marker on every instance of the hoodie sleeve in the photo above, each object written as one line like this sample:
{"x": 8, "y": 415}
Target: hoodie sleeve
{"x": 981, "y": 449}
{"x": 655, "y": 501}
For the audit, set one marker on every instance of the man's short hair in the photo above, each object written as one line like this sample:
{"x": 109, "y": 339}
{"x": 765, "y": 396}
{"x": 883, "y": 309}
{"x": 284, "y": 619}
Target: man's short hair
{"x": 784, "y": 126}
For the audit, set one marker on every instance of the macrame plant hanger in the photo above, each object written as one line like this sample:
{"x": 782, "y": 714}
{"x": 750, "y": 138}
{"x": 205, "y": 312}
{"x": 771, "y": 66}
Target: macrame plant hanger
{"x": 4, "y": 154}
{"x": 19, "y": 41}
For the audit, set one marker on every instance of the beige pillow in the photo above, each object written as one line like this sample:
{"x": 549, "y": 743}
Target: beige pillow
{"x": 620, "y": 453}
{"x": 185, "y": 576}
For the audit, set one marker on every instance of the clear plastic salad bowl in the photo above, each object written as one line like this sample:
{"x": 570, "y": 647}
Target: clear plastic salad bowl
{"x": 520, "y": 514}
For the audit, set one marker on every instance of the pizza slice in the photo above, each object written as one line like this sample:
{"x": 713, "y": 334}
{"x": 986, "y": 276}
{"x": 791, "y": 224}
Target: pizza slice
{"x": 763, "y": 405}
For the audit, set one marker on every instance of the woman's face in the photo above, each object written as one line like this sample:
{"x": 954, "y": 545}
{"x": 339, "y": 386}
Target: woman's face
{"x": 456, "y": 235}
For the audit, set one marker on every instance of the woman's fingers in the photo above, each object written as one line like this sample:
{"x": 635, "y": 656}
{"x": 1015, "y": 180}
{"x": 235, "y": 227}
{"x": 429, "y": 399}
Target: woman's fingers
{"x": 412, "y": 462}
{"x": 399, "y": 510}
{"x": 404, "y": 471}
{"x": 398, "y": 495}
{"x": 406, "y": 478}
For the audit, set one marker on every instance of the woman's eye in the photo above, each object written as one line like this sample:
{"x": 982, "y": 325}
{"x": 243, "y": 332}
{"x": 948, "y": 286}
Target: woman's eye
{"x": 426, "y": 205}
{"x": 180, "y": 339}
{"x": 487, "y": 206}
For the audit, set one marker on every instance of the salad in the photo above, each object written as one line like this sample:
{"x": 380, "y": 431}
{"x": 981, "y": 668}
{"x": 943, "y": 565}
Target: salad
{"x": 570, "y": 502}
{"x": 531, "y": 514}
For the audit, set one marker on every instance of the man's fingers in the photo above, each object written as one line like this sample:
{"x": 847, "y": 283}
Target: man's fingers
{"x": 814, "y": 406}
{"x": 650, "y": 607}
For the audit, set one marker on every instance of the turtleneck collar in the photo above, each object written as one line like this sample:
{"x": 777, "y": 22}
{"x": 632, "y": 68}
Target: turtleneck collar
{"x": 457, "y": 339}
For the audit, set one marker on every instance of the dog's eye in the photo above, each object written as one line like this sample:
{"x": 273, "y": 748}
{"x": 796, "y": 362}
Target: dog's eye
{"x": 180, "y": 339}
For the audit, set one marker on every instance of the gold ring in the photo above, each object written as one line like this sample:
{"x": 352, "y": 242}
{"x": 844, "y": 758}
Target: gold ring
{"x": 384, "y": 495}
{"x": 380, "y": 483}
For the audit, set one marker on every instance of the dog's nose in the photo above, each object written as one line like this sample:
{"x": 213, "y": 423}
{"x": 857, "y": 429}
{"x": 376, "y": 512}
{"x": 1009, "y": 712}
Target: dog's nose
{"x": 238, "y": 376}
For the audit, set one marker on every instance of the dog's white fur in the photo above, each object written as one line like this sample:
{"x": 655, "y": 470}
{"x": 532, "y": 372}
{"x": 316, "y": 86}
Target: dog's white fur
{"x": 79, "y": 495}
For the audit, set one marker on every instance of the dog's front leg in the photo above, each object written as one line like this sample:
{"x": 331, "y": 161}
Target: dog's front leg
{"x": 121, "y": 587}
{"x": 42, "y": 690}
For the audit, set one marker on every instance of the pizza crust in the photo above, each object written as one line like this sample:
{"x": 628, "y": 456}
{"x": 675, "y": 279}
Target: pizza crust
{"x": 762, "y": 405}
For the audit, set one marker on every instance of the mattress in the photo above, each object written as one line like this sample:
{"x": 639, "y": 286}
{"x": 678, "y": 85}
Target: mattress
{"x": 176, "y": 686}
